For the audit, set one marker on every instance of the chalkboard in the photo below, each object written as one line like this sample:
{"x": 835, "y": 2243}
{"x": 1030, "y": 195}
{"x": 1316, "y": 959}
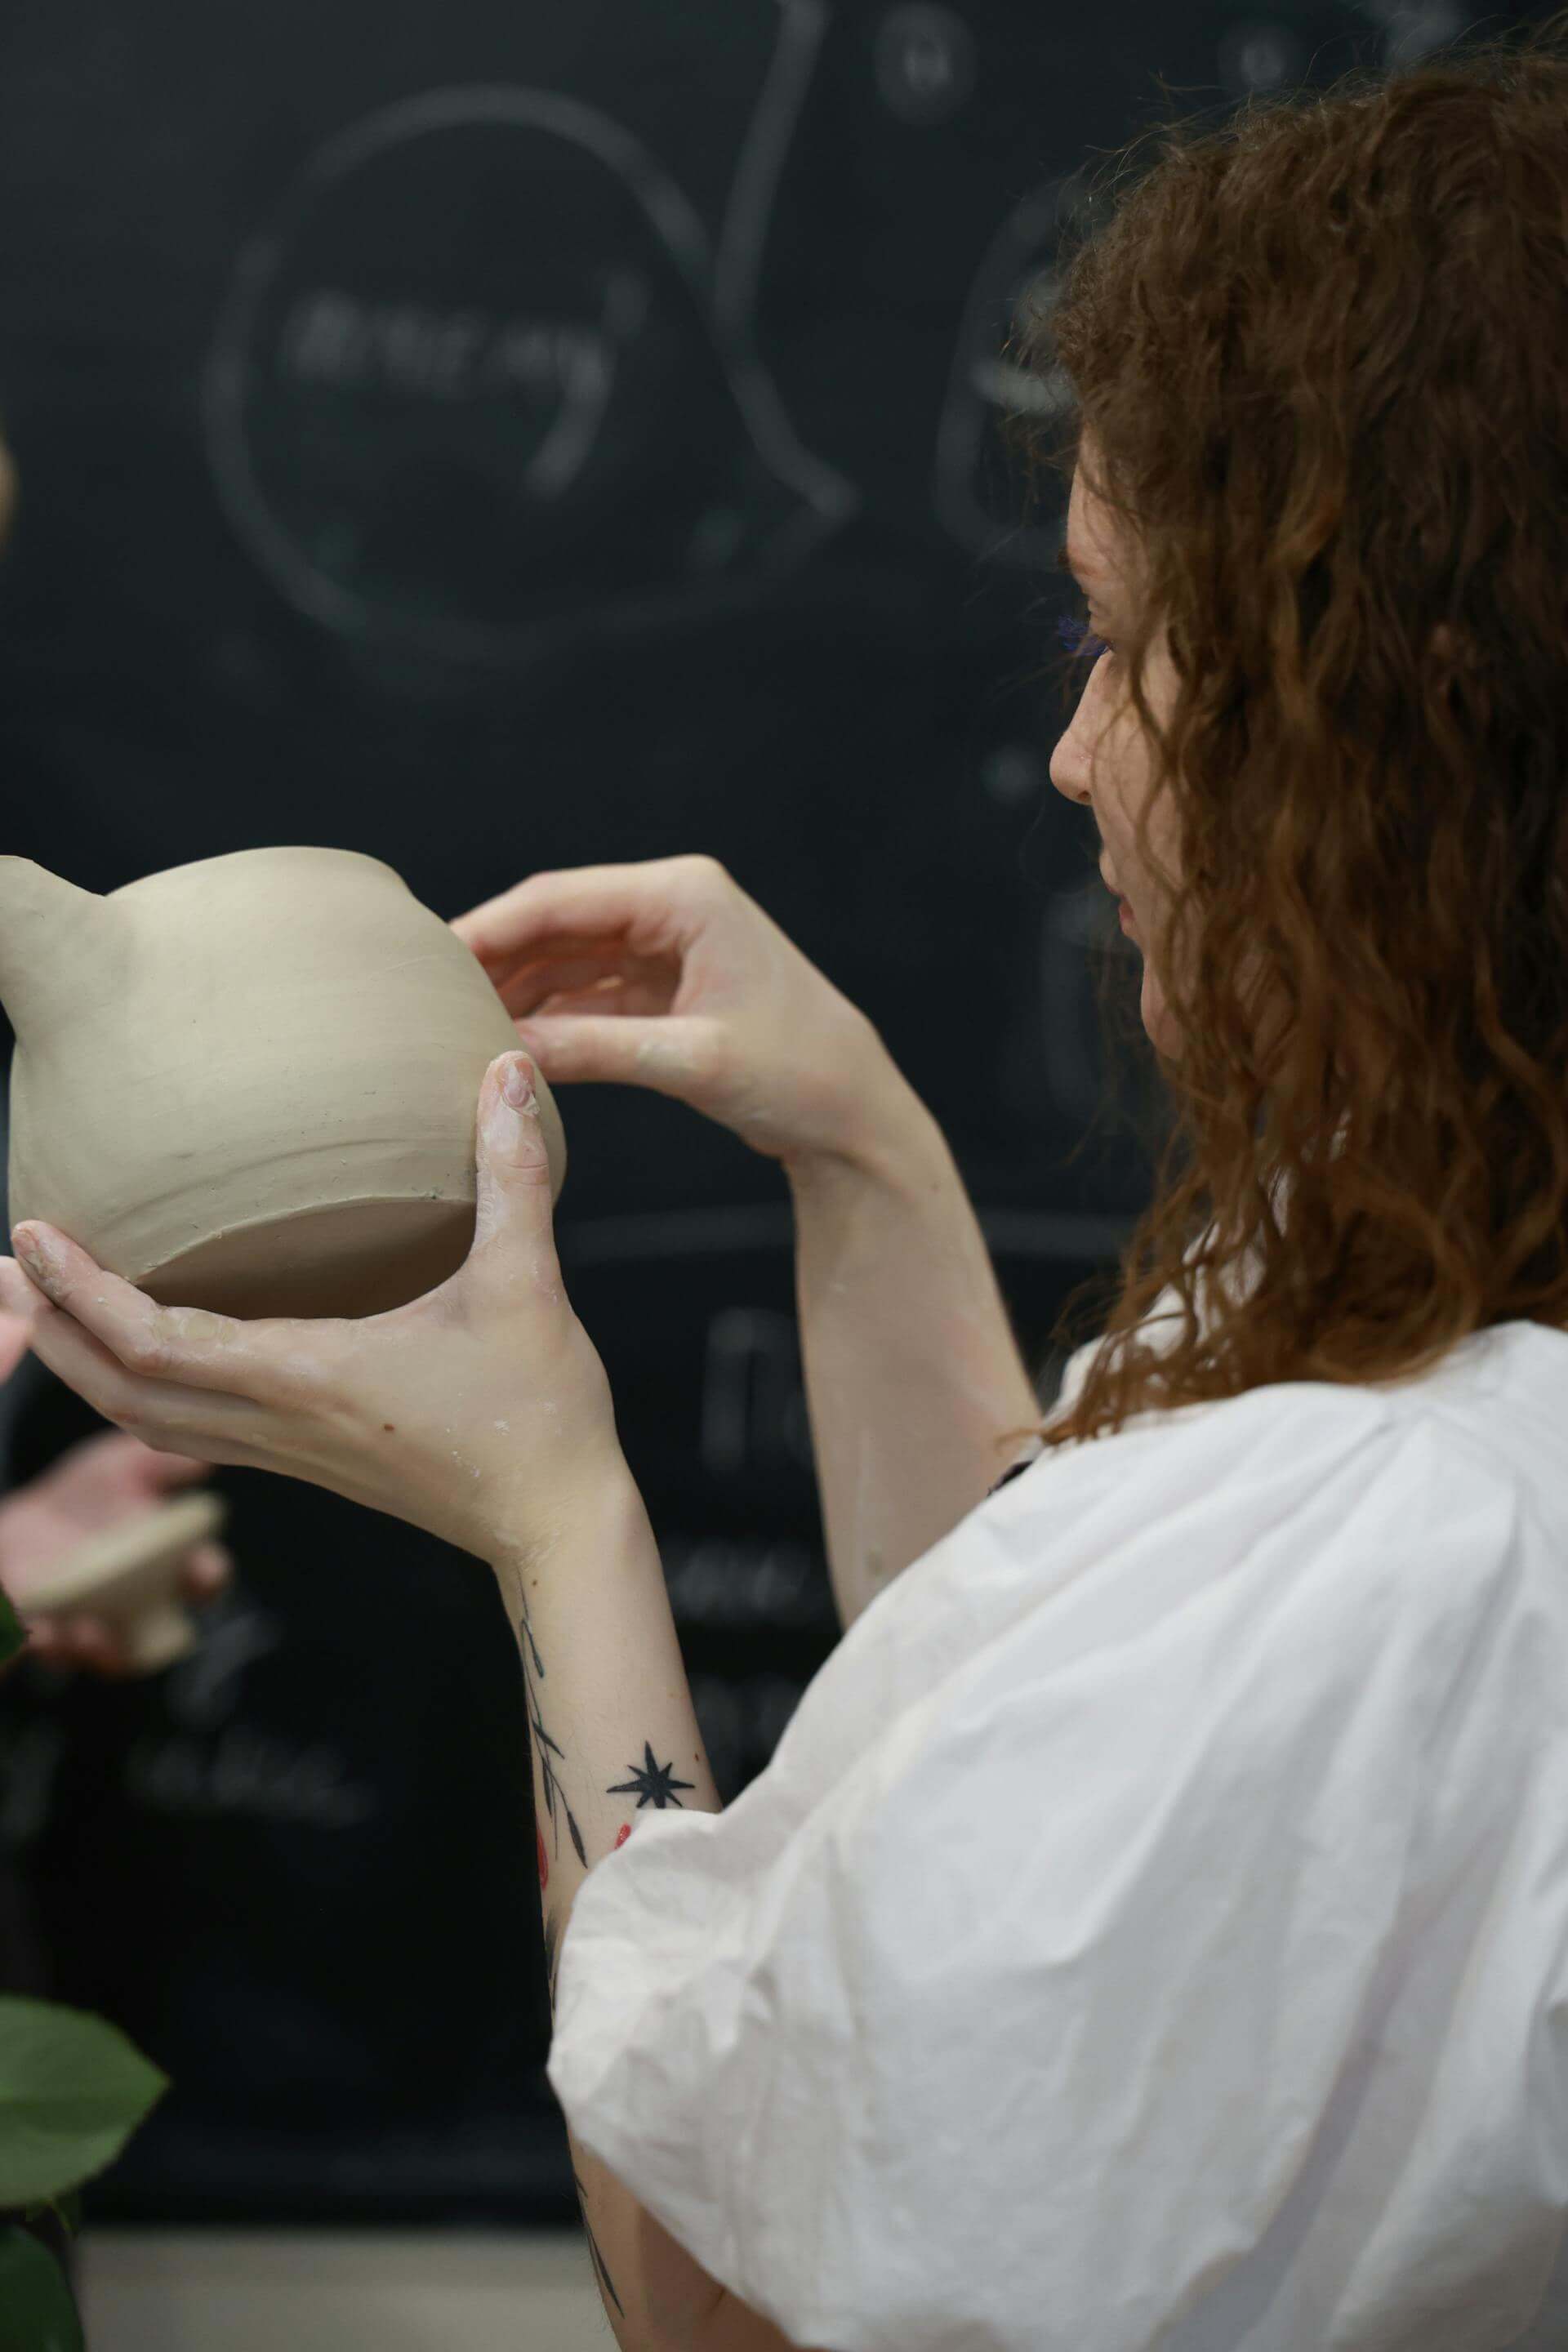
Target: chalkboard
{"x": 494, "y": 437}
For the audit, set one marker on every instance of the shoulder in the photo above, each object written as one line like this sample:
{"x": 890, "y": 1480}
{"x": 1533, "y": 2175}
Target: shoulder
{"x": 1300, "y": 1521}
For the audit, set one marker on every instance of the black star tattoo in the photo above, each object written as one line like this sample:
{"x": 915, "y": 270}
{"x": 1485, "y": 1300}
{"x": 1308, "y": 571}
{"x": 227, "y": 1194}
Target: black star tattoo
{"x": 651, "y": 1783}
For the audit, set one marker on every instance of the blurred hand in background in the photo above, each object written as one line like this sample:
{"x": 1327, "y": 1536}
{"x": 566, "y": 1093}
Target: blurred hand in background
{"x": 96, "y": 1485}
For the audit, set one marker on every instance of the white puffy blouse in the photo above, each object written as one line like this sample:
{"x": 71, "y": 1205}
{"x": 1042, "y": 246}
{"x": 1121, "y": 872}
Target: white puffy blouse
{"x": 1152, "y": 1929}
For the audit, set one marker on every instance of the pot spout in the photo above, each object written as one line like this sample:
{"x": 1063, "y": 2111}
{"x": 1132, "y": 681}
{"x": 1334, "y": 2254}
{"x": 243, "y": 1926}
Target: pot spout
{"x": 52, "y": 938}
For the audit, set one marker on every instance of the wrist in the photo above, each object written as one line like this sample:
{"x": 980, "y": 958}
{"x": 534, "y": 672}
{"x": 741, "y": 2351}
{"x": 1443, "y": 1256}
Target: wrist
{"x": 892, "y": 1140}
{"x": 905, "y": 1156}
{"x": 600, "y": 1511}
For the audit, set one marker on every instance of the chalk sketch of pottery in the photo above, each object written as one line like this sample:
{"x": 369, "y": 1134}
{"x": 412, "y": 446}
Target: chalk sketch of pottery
{"x": 249, "y": 1083}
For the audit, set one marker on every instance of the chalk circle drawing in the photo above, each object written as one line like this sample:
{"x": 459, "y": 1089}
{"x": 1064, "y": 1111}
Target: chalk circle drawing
{"x": 482, "y": 380}
{"x": 1413, "y": 29}
{"x": 1258, "y": 56}
{"x": 977, "y": 490}
{"x": 924, "y": 63}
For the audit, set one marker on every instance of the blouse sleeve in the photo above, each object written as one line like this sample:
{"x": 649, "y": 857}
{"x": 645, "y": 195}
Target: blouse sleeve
{"x": 1024, "y": 2002}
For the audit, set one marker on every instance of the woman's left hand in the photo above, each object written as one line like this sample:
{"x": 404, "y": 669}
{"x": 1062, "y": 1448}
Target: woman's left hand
{"x": 481, "y": 1411}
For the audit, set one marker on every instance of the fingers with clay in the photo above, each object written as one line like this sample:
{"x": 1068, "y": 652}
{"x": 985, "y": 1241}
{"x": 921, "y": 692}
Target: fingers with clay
{"x": 365, "y": 1406}
{"x": 175, "y": 1371}
{"x": 105, "y": 1644}
{"x": 105, "y": 1552}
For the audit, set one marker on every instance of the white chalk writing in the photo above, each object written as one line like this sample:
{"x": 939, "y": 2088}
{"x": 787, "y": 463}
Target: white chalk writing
{"x": 247, "y": 1771}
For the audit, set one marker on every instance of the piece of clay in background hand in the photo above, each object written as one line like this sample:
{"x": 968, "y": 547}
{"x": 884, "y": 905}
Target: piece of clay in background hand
{"x": 129, "y": 1576}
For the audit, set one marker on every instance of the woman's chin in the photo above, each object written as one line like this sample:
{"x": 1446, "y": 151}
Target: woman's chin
{"x": 1161, "y": 1030}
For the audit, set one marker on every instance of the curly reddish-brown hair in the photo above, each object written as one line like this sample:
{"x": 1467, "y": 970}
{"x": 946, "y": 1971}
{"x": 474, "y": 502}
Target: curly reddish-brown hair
{"x": 1318, "y": 357}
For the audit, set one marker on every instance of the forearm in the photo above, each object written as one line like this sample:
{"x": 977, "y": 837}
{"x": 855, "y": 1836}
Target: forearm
{"x": 912, "y": 1371}
{"x": 608, "y": 1704}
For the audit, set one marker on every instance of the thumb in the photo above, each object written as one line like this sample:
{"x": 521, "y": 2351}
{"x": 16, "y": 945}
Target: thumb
{"x": 515, "y": 1204}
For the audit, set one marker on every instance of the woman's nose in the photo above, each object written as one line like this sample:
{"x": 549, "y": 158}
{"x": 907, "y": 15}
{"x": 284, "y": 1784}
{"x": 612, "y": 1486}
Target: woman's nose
{"x": 1070, "y": 769}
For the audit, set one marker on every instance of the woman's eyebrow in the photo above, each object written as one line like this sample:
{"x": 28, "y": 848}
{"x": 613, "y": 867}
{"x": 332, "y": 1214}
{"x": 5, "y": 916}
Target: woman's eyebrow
{"x": 1094, "y": 583}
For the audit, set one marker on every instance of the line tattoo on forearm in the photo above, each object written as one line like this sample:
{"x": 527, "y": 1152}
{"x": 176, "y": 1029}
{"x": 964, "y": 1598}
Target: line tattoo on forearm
{"x": 652, "y": 1783}
{"x": 597, "y": 2258}
{"x": 544, "y": 1747}
{"x": 552, "y": 1956}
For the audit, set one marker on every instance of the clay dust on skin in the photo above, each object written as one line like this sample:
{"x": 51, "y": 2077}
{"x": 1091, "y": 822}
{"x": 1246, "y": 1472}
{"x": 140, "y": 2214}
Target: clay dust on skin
{"x": 667, "y": 1055}
{"x": 195, "y": 1323}
{"x": 502, "y": 1428}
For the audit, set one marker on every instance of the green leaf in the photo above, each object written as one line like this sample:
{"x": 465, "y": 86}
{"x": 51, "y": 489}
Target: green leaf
{"x": 72, "y": 2089}
{"x": 13, "y": 1633}
{"x": 36, "y": 2312}
{"x": 67, "y": 2210}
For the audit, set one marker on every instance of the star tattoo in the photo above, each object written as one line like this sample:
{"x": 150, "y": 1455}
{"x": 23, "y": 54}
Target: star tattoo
{"x": 651, "y": 1783}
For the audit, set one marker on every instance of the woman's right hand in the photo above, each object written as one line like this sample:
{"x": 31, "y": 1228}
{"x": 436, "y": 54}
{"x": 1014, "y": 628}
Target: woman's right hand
{"x": 665, "y": 974}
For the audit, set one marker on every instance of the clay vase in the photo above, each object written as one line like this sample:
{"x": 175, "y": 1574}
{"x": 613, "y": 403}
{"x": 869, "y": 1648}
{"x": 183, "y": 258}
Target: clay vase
{"x": 250, "y": 1084}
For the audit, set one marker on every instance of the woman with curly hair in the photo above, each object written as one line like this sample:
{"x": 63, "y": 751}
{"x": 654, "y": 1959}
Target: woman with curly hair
{"x": 1323, "y": 493}
{"x": 1152, "y": 1930}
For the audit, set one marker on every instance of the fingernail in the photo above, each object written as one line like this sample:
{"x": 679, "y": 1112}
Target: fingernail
{"x": 518, "y": 1086}
{"x": 33, "y": 1255}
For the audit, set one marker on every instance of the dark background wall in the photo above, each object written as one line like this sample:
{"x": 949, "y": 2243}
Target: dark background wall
{"x": 495, "y": 437}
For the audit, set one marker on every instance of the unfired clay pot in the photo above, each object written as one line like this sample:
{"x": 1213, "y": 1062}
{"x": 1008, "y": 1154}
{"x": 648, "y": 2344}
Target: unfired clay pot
{"x": 250, "y": 1084}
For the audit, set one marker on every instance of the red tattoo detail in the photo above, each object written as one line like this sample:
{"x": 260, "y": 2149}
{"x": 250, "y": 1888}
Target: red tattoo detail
{"x": 543, "y": 1858}
{"x": 625, "y": 1832}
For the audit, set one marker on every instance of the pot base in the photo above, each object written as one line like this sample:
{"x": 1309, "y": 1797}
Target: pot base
{"x": 348, "y": 1258}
